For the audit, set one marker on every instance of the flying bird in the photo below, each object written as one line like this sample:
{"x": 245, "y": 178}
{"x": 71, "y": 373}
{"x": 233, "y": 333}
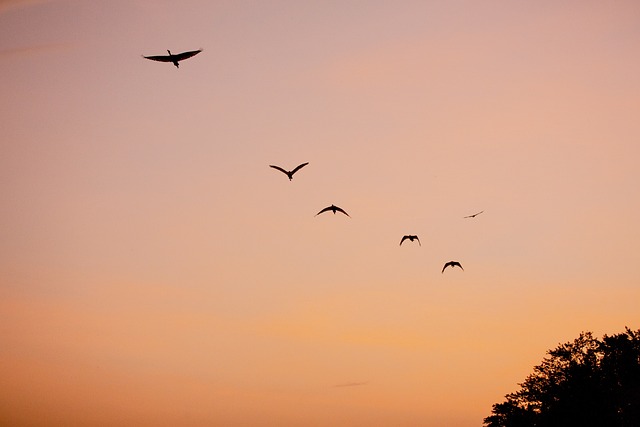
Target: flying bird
{"x": 334, "y": 209}
{"x": 452, "y": 264}
{"x": 289, "y": 173}
{"x": 474, "y": 215}
{"x": 411, "y": 238}
{"x": 173, "y": 58}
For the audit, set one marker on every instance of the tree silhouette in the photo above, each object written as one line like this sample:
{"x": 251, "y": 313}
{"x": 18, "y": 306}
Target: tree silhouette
{"x": 587, "y": 382}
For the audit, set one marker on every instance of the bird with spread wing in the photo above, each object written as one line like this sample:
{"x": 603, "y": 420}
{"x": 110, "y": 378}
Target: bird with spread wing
{"x": 474, "y": 215}
{"x": 411, "y": 238}
{"x": 174, "y": 58}
{"x": 291, "y": 172}
{"x": 334, "y": 209}
{"x": 452, "y": 264}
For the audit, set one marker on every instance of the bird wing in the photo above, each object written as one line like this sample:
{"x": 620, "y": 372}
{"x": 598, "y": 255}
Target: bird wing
{"x": 418, "y": 239}
{"x": 341, "y": 210}
{"x": 185, "y": 55}
{"x": 161, "y": 58}
{"x": 328, "y": 208}
{"x": 403, "y": 239}
{"x": 458, "y": 264}
{"x": 447, "y": 264}
{"x": 299, "y": 167}
{"x": 280, "y": 169}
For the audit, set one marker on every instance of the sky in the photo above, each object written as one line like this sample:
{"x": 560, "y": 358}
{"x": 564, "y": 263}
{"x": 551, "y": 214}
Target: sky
{"x": 154, "y": 271}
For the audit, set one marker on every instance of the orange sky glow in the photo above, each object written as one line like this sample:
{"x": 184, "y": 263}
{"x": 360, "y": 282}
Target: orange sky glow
{"x": 154, "y": 271}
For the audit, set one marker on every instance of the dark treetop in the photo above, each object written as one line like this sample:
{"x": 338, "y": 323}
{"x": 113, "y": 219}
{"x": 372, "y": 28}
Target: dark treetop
{"x": 586, "y": 383}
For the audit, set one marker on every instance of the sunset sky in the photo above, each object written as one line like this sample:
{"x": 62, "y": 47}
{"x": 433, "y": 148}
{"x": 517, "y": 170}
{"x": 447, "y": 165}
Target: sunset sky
{"x": 154, "y": 271}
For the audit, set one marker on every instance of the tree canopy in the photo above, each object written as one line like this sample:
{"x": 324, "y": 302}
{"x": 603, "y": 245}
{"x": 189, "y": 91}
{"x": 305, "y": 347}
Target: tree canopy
{"x": 587, "y": 382}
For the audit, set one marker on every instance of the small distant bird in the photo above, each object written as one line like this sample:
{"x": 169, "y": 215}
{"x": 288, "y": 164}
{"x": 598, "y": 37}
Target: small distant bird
{"x": 474, "y": 215}
{"x": 411, "y": 239}
{"x": 452, "y": 264}
{"x": 174, "y": 58}
{"x": 334, "y": 209}
{"x": 289, "y": 173}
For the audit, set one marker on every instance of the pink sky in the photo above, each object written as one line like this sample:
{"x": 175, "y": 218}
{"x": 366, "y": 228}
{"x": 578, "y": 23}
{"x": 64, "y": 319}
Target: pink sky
{"x": 155, "y": 271}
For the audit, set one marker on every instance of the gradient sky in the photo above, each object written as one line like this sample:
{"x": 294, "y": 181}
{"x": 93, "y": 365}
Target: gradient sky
{"x": 154, "y": 271}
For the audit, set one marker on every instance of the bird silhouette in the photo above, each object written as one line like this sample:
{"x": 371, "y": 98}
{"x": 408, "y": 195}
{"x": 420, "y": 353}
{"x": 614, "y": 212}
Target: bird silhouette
{"x": 334, "y": 209}
{"x": 411, "y": 238}
{"x": 474, "y": 215}
{"x": 289, "y": 173}
{"x": 452, "y": 264}
{"x": 173, "y": 58}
